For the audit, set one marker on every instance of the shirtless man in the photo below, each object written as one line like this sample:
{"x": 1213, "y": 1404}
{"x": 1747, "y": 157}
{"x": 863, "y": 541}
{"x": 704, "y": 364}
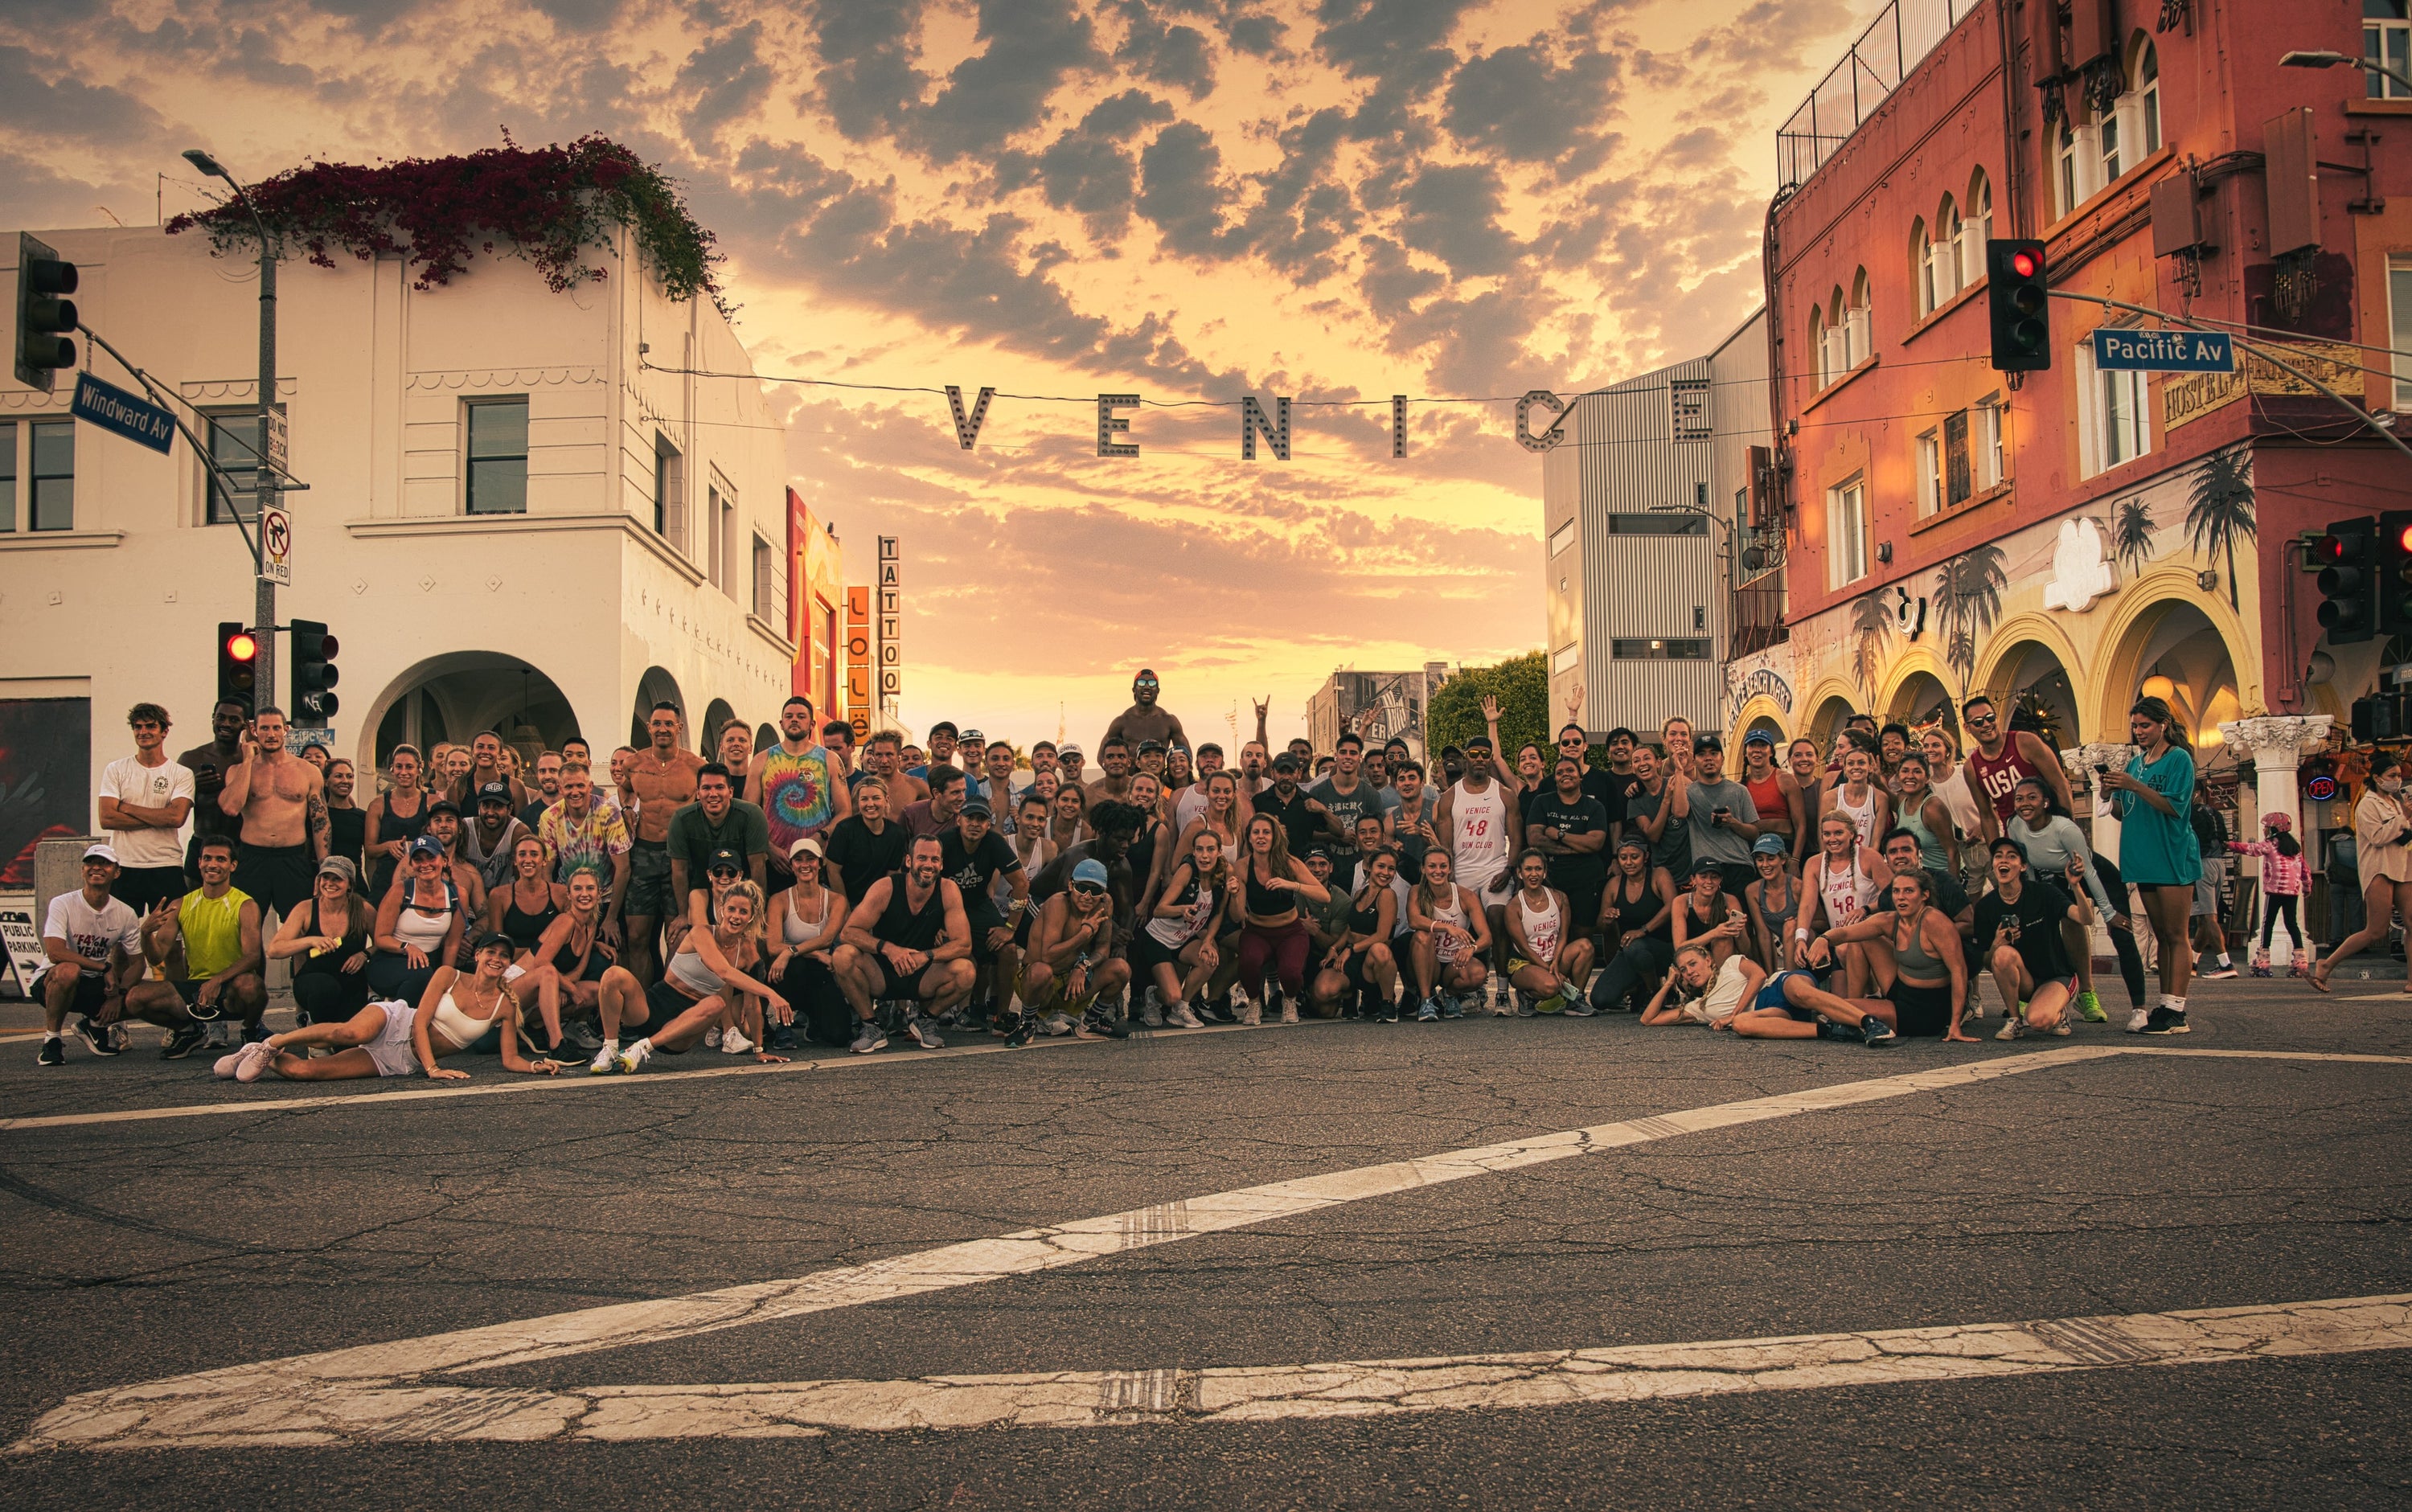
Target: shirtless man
{"x": 661, "y": 777}
{"x": 281, "y": 803}
{"x": 883, "y": 756}
{"x": 1145, "y": 720}
{"x": 1115, "y": 757}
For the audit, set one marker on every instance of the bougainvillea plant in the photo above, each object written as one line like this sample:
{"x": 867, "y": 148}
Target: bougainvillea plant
{"x": 547, "y": 205}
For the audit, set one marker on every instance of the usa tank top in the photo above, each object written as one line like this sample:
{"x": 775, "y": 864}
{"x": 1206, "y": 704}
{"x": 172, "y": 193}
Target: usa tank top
{"x": 1993, "y": 780}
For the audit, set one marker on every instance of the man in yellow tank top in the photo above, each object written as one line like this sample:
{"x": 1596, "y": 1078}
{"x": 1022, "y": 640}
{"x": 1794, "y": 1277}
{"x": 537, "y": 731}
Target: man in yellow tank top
{"x": 207, "y": 941}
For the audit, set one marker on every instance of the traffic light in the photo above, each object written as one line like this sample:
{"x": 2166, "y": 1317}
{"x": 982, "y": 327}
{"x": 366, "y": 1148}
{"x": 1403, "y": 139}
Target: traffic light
{"x": 238, "y": 664}
{"x": 2348, "y": 555}
{"x": 2014, "y": 296}
{"x": 44, "y": 315}
{"x": 314, "y": 675}
{"x": 2395, "y": 572}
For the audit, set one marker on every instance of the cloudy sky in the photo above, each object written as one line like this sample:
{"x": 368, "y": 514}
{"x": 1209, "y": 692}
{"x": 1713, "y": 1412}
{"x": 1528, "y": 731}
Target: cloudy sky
{"x": 1188, "y": 200}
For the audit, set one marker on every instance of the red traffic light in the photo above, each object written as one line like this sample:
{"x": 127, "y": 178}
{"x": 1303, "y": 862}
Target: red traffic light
{"x": 2325, "y": 549}
{"x": 2404, "y": 539}
{"x": 2025, "y": 263}
{"x": 242, "y": 647}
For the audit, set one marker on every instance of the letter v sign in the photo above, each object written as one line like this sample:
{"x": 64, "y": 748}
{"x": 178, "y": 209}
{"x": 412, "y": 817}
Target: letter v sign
{"x": 968, "y": 431}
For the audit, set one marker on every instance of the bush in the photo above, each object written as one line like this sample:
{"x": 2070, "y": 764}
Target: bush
{"x": 1521, "y": 686}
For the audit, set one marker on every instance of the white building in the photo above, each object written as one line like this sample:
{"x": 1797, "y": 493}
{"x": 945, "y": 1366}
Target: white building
{"x": 511, "y": 522}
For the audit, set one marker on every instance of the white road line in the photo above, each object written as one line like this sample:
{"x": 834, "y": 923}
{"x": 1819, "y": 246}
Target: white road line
{"x": 211, "y": 1401}
{"x": 1266, "y": 1393}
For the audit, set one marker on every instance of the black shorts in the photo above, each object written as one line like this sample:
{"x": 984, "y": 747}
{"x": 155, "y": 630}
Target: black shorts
{"x": 144, "y": 887}
{"x": 892, "y": 983}
{"x": 278, "y": 878}
{"x": 665, "y": 1002}
{"x": 1147, "y": 952}
{"x": 983, "y": 920}
{"x": 1921, "y": 1012}
{"x": 92, "y": 989}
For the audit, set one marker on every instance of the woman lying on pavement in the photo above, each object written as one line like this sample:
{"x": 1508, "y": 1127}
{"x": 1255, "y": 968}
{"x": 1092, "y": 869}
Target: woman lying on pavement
{"x": 457, "y": 1013}
{"x": 1702, "y": 990}
{"x": 1790, "y": 1004}
{"x": 702, "y": 986}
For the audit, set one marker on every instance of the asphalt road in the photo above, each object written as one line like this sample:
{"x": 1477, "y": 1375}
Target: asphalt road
{"x": 137, "y": 1248}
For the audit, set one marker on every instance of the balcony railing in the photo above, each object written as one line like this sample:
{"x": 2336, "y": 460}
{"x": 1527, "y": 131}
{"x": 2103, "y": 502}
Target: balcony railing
{"x": 1901, "y": 36}
{"x": 1758, "y": 615}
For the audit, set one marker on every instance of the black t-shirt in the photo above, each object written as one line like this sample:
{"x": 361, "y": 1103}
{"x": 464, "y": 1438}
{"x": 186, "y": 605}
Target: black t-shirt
{"x": 2041, "y": 909}
{"x": 347, "y": 832}
{"x": 973, "y": 869}
{"x": 1609, "y": 790}
{"x": 1948, "y": 894}
{"x": 1584, "y": 816}
{"x": 862, "y": 857}
{"x": 1305, "y": 828}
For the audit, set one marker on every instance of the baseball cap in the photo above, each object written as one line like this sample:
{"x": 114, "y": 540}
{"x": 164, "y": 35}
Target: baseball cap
{"x": 100, "y": 853}
{"x": 805, "y": 844}
{"x": 1091, "y": 870}
{"x": 1285, "y": 762}
{"x": 724, "y": 857}
{"x": 443, "y": 805}
{"x": 1708, "y": 740}
{"x": 1767, "y": 845}
{"x": 971, "y": 736}
{"x": 1705, "y": 865}
{"x": 976, "y": 808}
{"x": 491, "y": 939}
{"x": 340, "y": 866}
{"x": 1479, "y": 742}
{"x": 494, "y": 793}
{"x": 426, "y": 845}
{"x": 1758, "y": 736}
{"x": 2004, "y": 841}
{"x": 1145, "y": 746}
{"x": 2278, "y": 821}
{"x": 1069, "y": 748}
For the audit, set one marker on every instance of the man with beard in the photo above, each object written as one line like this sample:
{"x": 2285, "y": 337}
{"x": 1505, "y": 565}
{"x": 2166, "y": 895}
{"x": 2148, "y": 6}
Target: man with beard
{"x": 1145, "y": 719}
{"x": 796, "y": 783}
{"x": 907, "y": 938}
{"x": 1115, "y": 824}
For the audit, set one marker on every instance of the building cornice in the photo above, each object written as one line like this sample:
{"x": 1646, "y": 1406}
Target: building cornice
{"x": 402, "y": 527}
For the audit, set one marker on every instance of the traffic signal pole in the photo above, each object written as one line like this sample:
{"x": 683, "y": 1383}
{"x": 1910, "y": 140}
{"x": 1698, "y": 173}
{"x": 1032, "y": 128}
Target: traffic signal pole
{"x": 269, "y": 494}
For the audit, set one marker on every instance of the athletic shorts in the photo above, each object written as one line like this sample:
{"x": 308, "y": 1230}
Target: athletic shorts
{"x": 1770, "y": 995}
{"x": 892, "y": 983}
{"x": 190, "y": 991}
{"x": 649, "y": 883}
{"x": 664, "y": 1002}
{"x": 391, "y": 1049}
{"x": 279, "y": 877}
{"x": 144, "y": 887}
{"x": 983, "y": 919}
{"x": 2206, "y": 893}
{"x": 1921, "y": 1012}
{"x": 92, "y": 990}
{"x": 1147, "y": 952}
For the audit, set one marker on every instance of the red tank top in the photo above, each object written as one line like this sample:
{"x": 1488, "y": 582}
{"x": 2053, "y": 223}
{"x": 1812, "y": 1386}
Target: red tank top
{"x": 1766, "y": 796}
{"x": 1993, "y": 780}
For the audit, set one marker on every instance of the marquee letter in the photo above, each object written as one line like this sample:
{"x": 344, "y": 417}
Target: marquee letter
{"x": 1551, "y": 437}
{"x": 1252, "y": 419}
{"x": 1111, "y": 425}
{"x": 968, "y": 431}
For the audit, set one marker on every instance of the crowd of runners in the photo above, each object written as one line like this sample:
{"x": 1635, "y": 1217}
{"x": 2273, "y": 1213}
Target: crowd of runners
{"x": 563, "y": 912}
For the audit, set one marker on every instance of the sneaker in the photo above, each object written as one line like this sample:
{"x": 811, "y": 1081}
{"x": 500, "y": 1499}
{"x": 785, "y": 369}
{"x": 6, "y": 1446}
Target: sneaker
{"x": 868, "y": 1040}
{"x": 606, "y": 1053}
{"x": 735, "y": 1043}
{"x": 223, "y": 1034}
{"x": 1828, "y": 1028}
{"x": 1385, "y": 1011}
{"x": 1454, "y": 1008}
{"x": 96, "y": 1039}
{"x": 1554, "y": 1002}
{"x": 1216, "y": 1010}
{"x": 2220, "y": 974}
{"x": 1018, "y": 1028}
{"x": 1525, "y": 1007}
{"x": 1182, "y": 1018}
{"x": 2167, "y": 1022}
{"x": 54, "y": 1052}
{"x": 924, "y": 1030}
{"x": 2138, "y": 1020}
{"x": 254, "y": 1032}
{"x": 2089, "y": 1008}
{"x": 1150, "y": 1013}
{"x": 1428, "y": 1012}
{"x": 1100, "y": 1023}
{"x": 2061, "y": 1027}
{"x": 627, "y": 1062}
{"x": 1875, "y": 1033}
{"x": 783, "y": 1039}
{"x": 1579, "y": 1008}
{"x": 253, "y": 1061}
{"x": 712, "y": 1038}
{"x": 183, "y": 1041}
{"x": 1056, "y": 1024}
{"x": 225, "y": 1066}
{"x": 2011, "y": 1028}
{"x": 1289, "y": 1009}
{"x": 582, "y": 1039}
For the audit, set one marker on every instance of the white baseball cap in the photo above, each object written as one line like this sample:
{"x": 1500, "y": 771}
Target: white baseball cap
{"x": 100, "y": 853}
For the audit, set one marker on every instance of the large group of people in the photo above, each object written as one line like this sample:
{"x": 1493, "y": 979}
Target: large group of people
{"x": 563, "y": 912}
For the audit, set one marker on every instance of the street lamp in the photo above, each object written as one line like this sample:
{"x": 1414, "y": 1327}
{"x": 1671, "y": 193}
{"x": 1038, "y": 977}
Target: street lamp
{"x": 265, "y": 594}
{"x": 2342, "y": 59}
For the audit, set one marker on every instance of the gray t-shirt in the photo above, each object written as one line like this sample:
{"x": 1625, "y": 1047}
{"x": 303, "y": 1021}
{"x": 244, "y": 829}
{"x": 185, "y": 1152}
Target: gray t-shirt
{"x": 1715, "y": 841}
{"x": 1672, "y": 849}
{"x": 1362, "y": 800}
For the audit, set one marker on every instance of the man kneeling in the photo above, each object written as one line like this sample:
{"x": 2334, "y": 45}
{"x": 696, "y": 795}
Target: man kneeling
{"x": 908, "y": 939}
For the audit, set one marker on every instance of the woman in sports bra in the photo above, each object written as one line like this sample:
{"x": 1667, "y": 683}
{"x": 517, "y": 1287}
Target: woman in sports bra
{"x": 1839, "y": 887}
{"x": 329, "y": 944}
{"x": 1175, "y": 950}
{"x": 522, "y": 911}
{"x": 706, "y": 985}
{"x": 418, "y": 926}
{"x": 396, "y": 817}
{"x": 1637, "y": 910}
{"x": 577, "y": 962}
{"x": 1922, "y": 811}
{"x": 1272, "y": 881}
{"x": 806, "y": 921}
{"x": 1783, "y": 812}
{"x": 1360, "y": 961}
{"x": 1452, "y": 941}
{"x": 1707, "y": 915}
{"x": 392, "y": 1039}
{"x": 1857, "y": 797}
{"x": 1920, "y": 974}
{"x": 1546, "y": 964}
{"x": 1774, "y": 901}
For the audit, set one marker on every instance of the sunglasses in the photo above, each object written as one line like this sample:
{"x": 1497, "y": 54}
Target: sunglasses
{"x": 1089, "y": 889}
{"x": 1983, "y": 719}
{"x": 724, "y": 871}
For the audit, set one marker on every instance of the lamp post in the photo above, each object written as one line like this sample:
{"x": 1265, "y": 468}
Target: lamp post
{"x": 2342, "y": 59}
{"x": 265, "y": 601}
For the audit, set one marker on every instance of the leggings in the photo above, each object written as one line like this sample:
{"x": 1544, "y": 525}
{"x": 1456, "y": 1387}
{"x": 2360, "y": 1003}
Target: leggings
{"x": 2123, "y": 942}
{"x": 330, "y": 997}
{"x": 2274, "y": 907}
{"x": 1286, "y": 945}
{"x": 1632, "y": 971}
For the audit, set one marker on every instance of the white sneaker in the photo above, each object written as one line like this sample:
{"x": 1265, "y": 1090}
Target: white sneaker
{"x": 735, "y": 1043}
{"x": 1245, "y": 1007}
{"x": 2138, "y": 1020}
{"x": 1057, "y": 1025}
{"x": 1149, "y": 1014}
{"x": 605, "y": 1061}
{"x": 252, "y": 1061}
{"x": 712, "y": 1038}
{"x": 1289, "y": 1009}
{"x": 1182, "y": 1018}
{"x": 627, "y": 1062}
{"x": 225, "y": 1068}
{"x": 2011, "y": 1028}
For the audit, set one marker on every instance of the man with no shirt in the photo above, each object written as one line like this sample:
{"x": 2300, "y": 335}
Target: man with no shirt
{"x": 662, "y": 778}
{"x": 280, "y": 804}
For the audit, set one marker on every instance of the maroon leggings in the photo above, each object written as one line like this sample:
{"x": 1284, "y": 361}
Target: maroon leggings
{"x": 1286, "y": 945}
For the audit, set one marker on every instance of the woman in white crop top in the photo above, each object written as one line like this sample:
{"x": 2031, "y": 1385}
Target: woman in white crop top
{"x": 393, "y": 1039}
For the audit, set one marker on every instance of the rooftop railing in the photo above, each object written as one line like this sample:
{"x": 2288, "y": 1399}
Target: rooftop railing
{"x": 1901, "y": 36}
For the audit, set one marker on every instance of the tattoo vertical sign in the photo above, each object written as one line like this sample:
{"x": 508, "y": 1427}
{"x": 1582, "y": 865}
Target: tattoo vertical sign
{"x": 858, "y": 661}
{"x": 891, "y": 625}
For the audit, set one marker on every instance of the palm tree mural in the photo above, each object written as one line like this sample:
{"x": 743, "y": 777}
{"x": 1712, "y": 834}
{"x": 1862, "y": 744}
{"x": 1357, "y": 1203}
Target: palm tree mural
{"x": 1871, "y": 623}
{"x": 2131, "y": 536}
{"x": 2219, "y": 510}
{"x": 1967, "y": 603}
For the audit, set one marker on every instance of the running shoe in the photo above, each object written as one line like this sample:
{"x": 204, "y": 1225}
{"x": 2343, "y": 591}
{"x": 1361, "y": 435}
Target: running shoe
{"x": 1875, "y": 1033}
{"x": 226, "y": 1065}
{"x": 1018, "y": 1028}
{"x": 712, "y": 1038}
{"x": 2220, "y": 974}
{"x": 1454, "y": 1007}
{"x": 735, "y": 1043}
{"x": 1828, "y": 1028}
{"x": 1183, "y": 1016}
{"x": 582, "y": 1039}
{"x": 1056, "y": 1025}
{"x": 627, "y": 1062}
{"x": 1428, "y": 1012}
{"x": 2061, "y": 1026}
{"x": 783, "y": 1037}
{"x": 1150, "y": 1013}
{"x": 54, "y": 1052}
{"x": 2089, "y": 1008}
{"x": 606, "y": 1052}
{"x": 254, "y": 1032}
{"x": 1525, "y": 1007}
{"x": 870, "y": 1039}
{"x": 1244, "y": 1007}
{"x": 924, "y": 1030}
{"x": 2011, "y": 1028}
{"x": 253, "y": 1061}
{"x": 1216, "y": 1010}
{"x": 96, "y": 1040}
{"x": 183, "y": 1041}
{"x": 2167, "y": 1021}
{"x": 2140, "y": 1018}
{"x": 1101, "y": 1023}
{"x": 1289, "y": 1009}
{"x": 1579, "y": 1008}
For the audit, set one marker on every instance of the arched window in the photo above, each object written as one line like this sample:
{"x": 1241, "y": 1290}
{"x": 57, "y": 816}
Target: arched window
{"x": 2144, "y": 84}
{"x": 1918, "y": 250}
{"x": 1857, "y": 338}
{"x": 1943, "y": 258}
{"x": 1819, "y": 346}
{"x": 1975, "y": 228}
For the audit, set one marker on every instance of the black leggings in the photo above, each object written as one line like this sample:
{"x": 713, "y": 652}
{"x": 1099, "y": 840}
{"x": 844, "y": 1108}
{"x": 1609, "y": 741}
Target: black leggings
{"x": 1632, "y": 974}
{"x": 2123, "y": 942}
{"x": 2274, "y": 907}
{"x": 330, "y": 996}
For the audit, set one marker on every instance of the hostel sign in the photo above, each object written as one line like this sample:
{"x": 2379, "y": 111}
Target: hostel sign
{"x": 2189, "y": 397}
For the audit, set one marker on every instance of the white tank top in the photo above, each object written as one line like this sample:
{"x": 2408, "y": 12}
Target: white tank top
{"x": 795, "y": 931}
{"x": 1540, "y": 929}
{"x": 1863, "y": 815}
{"x": 1452, "y": 913}
{"x": 423, "y": 930}
{"x": 458, "y": 1028}
{"x": 1188, "y": 809}
{"x": 1478, "y": 837}
{"x": 1847, "y": 893}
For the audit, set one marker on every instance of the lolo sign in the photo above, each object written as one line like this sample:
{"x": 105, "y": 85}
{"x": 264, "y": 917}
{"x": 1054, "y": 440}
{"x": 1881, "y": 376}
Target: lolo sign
{"x": 2125, "y": 351}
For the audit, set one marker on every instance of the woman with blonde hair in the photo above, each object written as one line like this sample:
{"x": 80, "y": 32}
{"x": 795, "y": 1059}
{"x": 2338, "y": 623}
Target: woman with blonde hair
{"x": 704, "y": 985}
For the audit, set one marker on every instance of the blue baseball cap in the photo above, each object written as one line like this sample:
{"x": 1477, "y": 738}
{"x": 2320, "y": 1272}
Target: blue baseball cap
{"x": 1090, "y": 871}
{"x": 1767, "y": 845}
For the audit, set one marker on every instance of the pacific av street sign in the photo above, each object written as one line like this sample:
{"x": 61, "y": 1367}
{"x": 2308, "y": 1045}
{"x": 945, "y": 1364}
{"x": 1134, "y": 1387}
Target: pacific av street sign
{"x": 2124, "y": 350}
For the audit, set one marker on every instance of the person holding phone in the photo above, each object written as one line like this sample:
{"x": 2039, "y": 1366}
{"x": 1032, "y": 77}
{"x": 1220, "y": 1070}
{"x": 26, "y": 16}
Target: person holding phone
{"x": 2158, "y": 851}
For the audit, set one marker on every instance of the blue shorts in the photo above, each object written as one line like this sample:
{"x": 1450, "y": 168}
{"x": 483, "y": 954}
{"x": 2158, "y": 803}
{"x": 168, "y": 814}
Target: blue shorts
{"x": 1770, "y": 993}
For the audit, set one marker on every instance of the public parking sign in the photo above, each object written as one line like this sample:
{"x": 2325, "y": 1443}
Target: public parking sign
{"x": 2123, "y": 350}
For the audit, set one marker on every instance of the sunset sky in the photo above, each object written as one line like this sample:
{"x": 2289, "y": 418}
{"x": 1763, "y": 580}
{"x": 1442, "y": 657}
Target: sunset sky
{"x": 1189, "y": 199}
